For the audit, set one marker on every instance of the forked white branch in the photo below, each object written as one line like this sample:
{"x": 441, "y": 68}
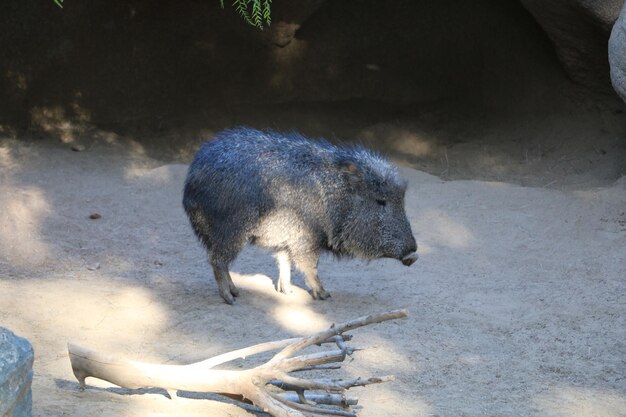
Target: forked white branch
{"x": 269, "y": 386}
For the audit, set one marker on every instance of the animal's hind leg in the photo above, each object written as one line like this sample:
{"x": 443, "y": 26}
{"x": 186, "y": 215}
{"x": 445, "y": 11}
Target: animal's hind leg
{"x": 284, "y": 272}
{"x": 220, "y": 260}
{"x": 225, "y": 283}
{"x": 201, "y": 227}
{"x": 229, "y": 240}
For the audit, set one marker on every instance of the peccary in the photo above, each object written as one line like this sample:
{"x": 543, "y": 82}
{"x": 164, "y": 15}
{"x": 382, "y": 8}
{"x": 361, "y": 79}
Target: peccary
{"x": 299, "y": 198}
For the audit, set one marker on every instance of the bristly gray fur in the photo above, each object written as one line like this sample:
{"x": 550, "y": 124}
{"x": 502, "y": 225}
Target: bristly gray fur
{"x": 298, "y": 197}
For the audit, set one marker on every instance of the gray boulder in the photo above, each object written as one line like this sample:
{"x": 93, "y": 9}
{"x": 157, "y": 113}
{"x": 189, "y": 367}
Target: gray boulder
{"x": 617, "y": 55}
{"x": 16, "y": 375}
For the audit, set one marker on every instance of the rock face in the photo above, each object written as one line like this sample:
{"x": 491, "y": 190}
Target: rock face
{"x": 604, "y": 12}
{"x": 579, "y": 30}
{"x": 16, "y": 375}
{"x": 617, "y": 55}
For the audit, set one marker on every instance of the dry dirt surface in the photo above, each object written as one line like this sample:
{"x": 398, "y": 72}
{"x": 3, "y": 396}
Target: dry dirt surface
{"x": 517, "y": 303}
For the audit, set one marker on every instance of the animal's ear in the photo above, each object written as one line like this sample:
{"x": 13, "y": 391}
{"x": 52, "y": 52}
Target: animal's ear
{"x": 349, "y": 167}
{"x": 351, "y": 170}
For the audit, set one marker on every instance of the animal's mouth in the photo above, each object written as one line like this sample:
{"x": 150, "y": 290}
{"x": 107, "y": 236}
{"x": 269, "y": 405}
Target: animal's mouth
{"x": 410, "y": 259}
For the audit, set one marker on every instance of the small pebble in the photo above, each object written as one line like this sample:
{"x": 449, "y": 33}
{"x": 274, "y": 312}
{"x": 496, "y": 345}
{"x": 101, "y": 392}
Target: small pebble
{"x": 78, "y": 148}
{"x": 93, "y": 267}
{"x": 94, "y": 216}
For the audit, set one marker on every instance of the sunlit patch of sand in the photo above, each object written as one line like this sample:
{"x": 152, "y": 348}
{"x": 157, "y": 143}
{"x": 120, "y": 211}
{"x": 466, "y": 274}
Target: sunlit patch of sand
{"x": 21, "y": 215}
{"x": 61, "y": 310}
{"x": 292, "y": 311}
{"x": 582, "y": 402}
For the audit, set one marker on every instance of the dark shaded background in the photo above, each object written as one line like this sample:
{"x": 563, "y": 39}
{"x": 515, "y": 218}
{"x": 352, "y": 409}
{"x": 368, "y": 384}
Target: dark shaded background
{"x": 122, "y": 61}
{"x": 174, "y": 72}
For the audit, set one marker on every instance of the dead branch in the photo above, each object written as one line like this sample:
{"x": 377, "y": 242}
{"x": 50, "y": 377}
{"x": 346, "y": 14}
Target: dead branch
{"x": 269, "y": 386}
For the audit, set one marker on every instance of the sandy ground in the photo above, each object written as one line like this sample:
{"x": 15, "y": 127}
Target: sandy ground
{"x": 517, "y": 304}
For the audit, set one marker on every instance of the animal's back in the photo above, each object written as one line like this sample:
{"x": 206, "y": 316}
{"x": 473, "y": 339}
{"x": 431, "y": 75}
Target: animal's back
{"x": 246, "y": 165}
{"x": 243, "y": 174}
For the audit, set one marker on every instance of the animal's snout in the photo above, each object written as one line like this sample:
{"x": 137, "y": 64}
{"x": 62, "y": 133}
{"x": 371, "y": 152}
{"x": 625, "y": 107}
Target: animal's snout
{"x": 409, "y": 259}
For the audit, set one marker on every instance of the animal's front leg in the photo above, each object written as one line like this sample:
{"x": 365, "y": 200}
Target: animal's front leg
{"x": 307, "y": 264}
{"x": 284, "y": 272}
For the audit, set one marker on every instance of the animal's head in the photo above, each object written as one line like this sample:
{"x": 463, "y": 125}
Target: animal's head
{"x": 375, "y": 223}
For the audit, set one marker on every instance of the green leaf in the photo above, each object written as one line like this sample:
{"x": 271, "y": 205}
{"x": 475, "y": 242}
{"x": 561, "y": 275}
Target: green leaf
{"x": 256, "y": 14}
{"x": 267, "y": 12}
{"x": 59, "y": 3}
{"x": 242, "y": 8}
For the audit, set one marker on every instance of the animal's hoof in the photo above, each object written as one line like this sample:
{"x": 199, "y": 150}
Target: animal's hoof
{"x": 285, "y": 289}
{"x": 320, "y": 294}
{"x": 410, "y": 259}
{"x": 228, "y": 298}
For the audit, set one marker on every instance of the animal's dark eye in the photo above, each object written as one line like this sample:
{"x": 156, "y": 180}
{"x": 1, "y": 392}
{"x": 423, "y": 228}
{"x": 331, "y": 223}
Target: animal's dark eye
{"x": 381, "y": 202}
